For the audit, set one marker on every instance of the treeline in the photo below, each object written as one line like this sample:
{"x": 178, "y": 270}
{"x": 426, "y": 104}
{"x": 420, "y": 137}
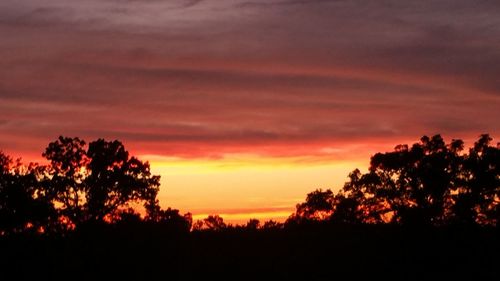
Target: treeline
{"x": 430, "y": 183}
{"x": 98, "y": 183}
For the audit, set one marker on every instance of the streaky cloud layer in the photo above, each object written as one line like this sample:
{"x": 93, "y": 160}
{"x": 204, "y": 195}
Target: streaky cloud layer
{"x": 315, "y": 81}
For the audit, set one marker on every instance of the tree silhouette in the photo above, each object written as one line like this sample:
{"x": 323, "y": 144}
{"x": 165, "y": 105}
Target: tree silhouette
{"x": 95, "y": 182}
{"x": 431, "y": 183}
{"x": 427, "y": 183}
{"x": 214, "y": 222}
{"x": 252, "y": 224}
{"x": 271, "y": 224}
{"x": 353, "y": 205}
{"x": 67, "y": 174}
{"x": 173, "y": 219}
{"x": 477, "y": 199}
{"x": 23, "y": 201}
{"x": 82, "y": 209}
{"x": 115, "y": 179}
{"x": 319, "y": 205}
{"x": 127, "y": 216}
{"x": 417, "y": 181}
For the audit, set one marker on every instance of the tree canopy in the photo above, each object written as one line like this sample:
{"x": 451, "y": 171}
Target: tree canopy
{"x": 429, "y": 183}
{"x": 82, "y": 183}
{"x": 24, "y": 204}
{"x": 93, "y": 182}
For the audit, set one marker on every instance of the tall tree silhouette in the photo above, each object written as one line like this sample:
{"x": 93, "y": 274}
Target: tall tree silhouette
{"x": 429, "y": 183}
{"x": 416, "y": 181}
{"x": 93, "y": 183}
{"x": 115, "y": 179}
{"x": 68, "y": 171}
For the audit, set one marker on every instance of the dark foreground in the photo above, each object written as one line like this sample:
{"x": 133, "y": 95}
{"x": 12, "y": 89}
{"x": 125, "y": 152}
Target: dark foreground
{"x": 311, "y": 253}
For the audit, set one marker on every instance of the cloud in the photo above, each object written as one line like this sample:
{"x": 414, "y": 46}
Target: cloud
{"x": 204, "y": 78}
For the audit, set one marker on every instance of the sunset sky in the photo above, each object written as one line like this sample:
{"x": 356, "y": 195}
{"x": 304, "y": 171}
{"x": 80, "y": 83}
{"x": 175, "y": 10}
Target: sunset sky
{"x": 243, "y": 107}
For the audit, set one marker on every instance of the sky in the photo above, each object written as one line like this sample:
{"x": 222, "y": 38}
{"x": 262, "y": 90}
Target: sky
{"x": 243, "y": 107}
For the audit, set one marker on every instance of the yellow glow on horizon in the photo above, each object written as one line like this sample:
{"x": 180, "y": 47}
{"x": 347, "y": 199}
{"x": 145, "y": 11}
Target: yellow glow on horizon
{"x": 241, "y": 187}
{"x": 242, "y": 218}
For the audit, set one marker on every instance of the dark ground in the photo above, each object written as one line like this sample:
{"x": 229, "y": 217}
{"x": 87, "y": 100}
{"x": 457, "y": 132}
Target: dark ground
{"x": 318, "y": 252}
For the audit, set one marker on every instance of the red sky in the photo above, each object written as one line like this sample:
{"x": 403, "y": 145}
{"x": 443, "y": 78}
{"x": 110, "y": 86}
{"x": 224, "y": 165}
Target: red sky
{"x": 245, "y": 106}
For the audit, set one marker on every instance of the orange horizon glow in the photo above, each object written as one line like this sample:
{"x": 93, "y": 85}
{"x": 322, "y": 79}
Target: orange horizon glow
{"x": 243, "y": 186}
{"x": 239, "y": 188}
{"x": 264, "y": 186}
